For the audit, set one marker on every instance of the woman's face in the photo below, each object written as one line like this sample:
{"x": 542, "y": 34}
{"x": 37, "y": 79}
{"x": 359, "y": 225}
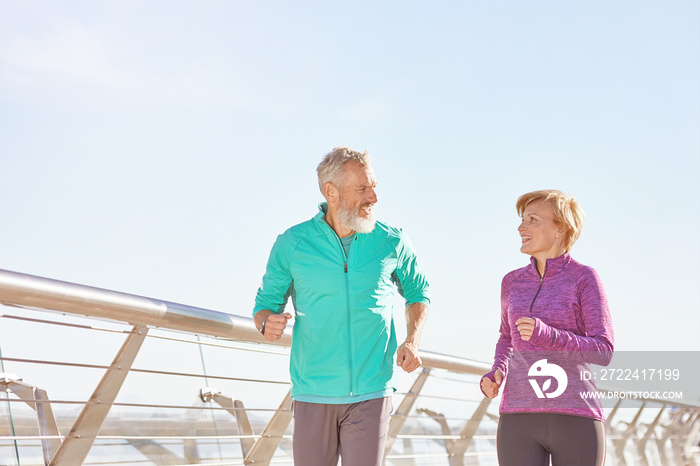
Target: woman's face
{"x": 541, "y": 237}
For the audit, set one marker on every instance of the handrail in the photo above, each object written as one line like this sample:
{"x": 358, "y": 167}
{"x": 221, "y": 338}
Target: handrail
{"x": 23, "y": 290}
{"x": 29, "y": 291}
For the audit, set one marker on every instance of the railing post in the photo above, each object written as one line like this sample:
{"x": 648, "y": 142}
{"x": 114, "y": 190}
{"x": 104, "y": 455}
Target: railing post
{"x": 683, "y": 444}
{"x": 265, "y": 447}
{"x": 237, "y": 410}
{"x": 642, "y": 442}
{"x": 399, "y": 417}
{"x": 611, "y": 416}
{"x": 81, "y": 437}
{"x": 625, "y": 435}
{"x": 440, "y": 419}
{"x": 262, "y": 450}
{"x": 459, "y": 447}
{"x": 668, "y": 432}
{"x": 38, "y": 400}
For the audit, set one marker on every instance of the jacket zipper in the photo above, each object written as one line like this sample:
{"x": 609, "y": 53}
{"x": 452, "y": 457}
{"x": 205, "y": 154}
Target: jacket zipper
{"x": 347, "y": 306}
{"x": 532, "y": 304}
{"x": 347, "y": 313}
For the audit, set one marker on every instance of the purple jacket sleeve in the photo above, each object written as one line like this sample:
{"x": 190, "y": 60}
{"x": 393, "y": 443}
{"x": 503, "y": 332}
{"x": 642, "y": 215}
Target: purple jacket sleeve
{"x": 595, "y": 344}
{"x": 504, "y": 346}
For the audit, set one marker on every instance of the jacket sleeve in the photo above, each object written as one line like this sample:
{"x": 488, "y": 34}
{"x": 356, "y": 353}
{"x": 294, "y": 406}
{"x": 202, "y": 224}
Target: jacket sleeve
{"x": 277, "y": 281}
{"x": 504, "y": 346}
{"x": 596, "y": 344}
{"x": 410, "y": 279}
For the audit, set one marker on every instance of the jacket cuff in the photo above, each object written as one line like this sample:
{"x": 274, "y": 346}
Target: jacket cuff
{"x": 259, "y": 308}
{"x": 542, "y": 335}
{"x": 489, "y": 376}
{"x": 419, "y": 300}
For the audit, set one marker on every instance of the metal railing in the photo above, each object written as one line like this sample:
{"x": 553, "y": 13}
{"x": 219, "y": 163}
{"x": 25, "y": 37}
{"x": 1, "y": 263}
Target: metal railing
{"x": 188, "y": 386}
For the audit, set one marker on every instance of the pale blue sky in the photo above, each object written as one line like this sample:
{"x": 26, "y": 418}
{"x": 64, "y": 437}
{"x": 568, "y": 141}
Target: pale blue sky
{"x": 158, "y": 147}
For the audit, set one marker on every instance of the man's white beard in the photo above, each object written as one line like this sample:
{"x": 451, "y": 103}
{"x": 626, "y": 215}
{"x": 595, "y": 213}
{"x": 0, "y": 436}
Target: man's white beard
{"x": 355, "y": 221}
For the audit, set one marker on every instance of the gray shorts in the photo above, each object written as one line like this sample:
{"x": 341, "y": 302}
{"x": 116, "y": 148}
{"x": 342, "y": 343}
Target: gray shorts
{"x": 356, "y": 432}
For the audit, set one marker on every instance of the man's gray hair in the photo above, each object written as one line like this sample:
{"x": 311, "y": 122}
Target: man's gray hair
{"x": 332, "y": 166}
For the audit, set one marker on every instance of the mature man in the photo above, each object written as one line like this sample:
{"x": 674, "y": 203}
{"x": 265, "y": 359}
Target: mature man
{"x": 340, "y": 269}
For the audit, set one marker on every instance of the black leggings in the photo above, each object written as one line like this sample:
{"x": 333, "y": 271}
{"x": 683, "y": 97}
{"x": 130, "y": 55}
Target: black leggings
{"x": 529, "y": 439}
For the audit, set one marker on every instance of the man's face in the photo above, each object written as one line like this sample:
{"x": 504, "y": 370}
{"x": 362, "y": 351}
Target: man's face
{"x": 357, "y": 198}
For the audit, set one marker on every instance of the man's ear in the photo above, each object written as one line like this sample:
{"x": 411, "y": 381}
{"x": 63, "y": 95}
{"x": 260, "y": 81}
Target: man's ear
{"x": 330, "y": 192}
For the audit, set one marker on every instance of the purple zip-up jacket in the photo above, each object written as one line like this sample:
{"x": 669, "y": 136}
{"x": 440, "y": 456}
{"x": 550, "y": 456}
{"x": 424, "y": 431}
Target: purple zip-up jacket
{"x": 572, "y": 330}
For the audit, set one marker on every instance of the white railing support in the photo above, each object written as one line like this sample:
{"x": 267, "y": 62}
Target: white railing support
{"x": 81, "y": 437}
{"x": 237, "y": 410}
{"x": 266, "y": 445}
{"x": 459, "y": 447}
{"x": 398, "y": 419}
{"x": 38, "y": 400}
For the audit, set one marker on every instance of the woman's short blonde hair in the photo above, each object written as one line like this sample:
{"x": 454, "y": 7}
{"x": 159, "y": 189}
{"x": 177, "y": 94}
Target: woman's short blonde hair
{"x": 567, "y": 211}
{"x": 332, "y": 167}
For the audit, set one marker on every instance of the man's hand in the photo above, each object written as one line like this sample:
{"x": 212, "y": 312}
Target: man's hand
{"x": 407, "y": 357}
{"x": 526, "y": 325}
{"x": 275, "y": 325}
{"x": 490, "y": 387}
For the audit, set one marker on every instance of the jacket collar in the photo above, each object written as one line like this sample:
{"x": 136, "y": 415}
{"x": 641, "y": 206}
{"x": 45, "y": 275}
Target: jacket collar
{"x": 320, "y": 217}
{"x": 322, "y": 210}
{"x": 553, "y": 266}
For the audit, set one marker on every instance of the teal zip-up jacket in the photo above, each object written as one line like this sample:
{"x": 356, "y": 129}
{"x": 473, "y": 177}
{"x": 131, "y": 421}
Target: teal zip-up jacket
{"x": 344, "y": 338}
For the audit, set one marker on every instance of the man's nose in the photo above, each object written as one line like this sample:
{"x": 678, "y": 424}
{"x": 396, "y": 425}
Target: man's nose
{"x": 373, "y": 195}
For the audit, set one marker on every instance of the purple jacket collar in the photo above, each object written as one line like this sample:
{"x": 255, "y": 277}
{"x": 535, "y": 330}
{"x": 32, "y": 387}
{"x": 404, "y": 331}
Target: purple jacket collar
{"x": 552, "y": 266}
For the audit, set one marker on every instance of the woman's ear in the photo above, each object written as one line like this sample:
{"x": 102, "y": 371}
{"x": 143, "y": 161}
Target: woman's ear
{"x": 561, "y": 232}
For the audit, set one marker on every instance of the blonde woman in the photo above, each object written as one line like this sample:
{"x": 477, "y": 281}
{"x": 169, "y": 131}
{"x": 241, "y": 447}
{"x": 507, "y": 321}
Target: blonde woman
{"x": 554, "y": 323}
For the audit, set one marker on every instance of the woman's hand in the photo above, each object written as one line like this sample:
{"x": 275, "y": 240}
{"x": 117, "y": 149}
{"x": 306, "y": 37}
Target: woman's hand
{"x": 526, "y": 326}
{"x": 490, "y": 387}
